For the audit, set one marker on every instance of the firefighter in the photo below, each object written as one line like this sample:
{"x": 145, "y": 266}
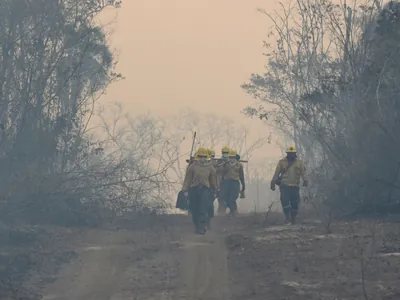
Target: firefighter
{"x": 199, "y": 181}
{"x": 212, "y": 154}
{"x": 225, "y": 153}
{"x": 224, "y": 158}
{"x": 233, "y": 176}
{"x": 192, "y": 161}
{"x": 287, "y": 177}
{"x": 210, "y": 208}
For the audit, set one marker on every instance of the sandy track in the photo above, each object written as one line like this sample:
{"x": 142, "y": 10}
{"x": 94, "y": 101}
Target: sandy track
{"x": 179, "y": 265}
{"x": 205, "y": 271}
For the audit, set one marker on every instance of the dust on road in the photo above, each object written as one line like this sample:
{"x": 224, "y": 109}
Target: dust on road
{"x": 205, "y": 270}
{"x": 125, "y": 265}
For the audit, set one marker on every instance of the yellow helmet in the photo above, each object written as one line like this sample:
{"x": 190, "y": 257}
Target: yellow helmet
{"x": 291, "y": 149}
{"x": 232, "y": 153}
{"x": 225, "y": 149}
{"x": 202, "y": 152}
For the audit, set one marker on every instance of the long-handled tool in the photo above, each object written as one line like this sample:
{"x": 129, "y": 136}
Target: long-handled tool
{"x": 240, "y": 160}
{"x": 191, "y": 150}
{"x": 223, "y": 161}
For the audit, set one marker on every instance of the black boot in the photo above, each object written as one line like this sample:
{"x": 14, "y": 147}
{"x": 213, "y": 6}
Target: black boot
{"x": 287, "y": 220}
{"x": 201, "y": 231}
{"x": 293, "y": 218}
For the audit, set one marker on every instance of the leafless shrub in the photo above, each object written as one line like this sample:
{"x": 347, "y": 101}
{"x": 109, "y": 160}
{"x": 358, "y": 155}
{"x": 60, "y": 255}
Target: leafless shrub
{"x": 139, "y": 150}
{"x": 365, "y": 238}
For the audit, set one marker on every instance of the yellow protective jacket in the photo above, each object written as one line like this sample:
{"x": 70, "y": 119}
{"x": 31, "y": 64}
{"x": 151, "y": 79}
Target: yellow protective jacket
{"x": 229, "y": 171}
{"x": 200, "y": 175}
{"x": 290, "y": 177}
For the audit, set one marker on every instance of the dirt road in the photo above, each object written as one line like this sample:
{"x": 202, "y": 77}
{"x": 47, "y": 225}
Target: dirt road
{"x": 124, "y": 264}
{"x": 245, "y": 258}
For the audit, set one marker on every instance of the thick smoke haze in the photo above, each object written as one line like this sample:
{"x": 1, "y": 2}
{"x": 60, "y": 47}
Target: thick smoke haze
{"x": 177, "y": 54}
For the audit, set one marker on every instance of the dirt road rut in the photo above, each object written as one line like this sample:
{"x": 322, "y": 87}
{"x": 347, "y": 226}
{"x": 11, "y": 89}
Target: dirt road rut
{"x": 205, "y": 270}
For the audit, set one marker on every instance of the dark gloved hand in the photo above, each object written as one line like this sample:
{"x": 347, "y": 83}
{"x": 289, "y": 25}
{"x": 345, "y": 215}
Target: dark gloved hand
{"x": 273, "y": 185}
{"x": 242, "y": 195}
{"x": 305, "y": 183}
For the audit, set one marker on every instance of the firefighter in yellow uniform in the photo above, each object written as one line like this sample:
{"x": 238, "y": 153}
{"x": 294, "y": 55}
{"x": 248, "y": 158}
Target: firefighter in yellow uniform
{"x": 199, "y": 181}
{"x": 232, "y": 174}
{"x": 224, "y": 158}
{"x": 225, "y": 153}
{"x": 192, "y": 161}
{"x": 213, "y": 161}
{"x": 210, "y": 208}
{"x": 287, "y": 177}
{"x": 212, "y": 154}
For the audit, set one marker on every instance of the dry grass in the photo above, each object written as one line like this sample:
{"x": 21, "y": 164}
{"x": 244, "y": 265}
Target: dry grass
{"x": 360, "y": 260}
